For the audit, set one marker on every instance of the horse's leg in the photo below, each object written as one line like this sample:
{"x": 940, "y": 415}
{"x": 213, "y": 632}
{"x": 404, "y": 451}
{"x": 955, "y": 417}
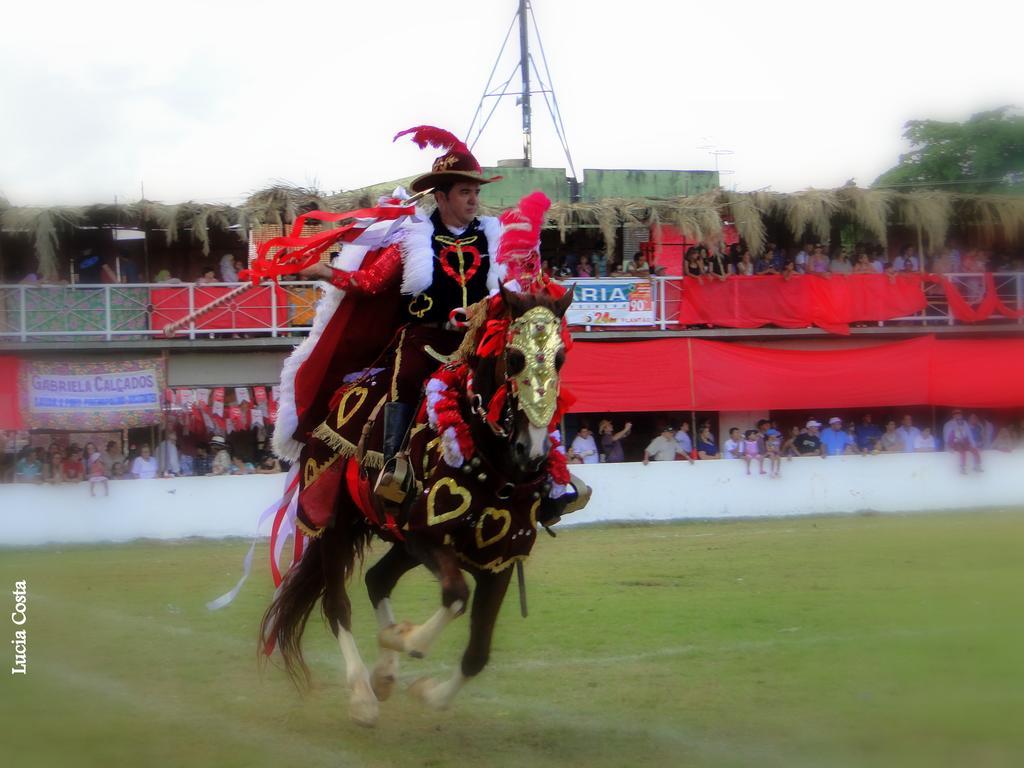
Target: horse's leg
{"x": 380, "y": 581}
{"x": 416, "y": 639}
{"x": 363, "y": 706}
{"x": 487, "y": 599}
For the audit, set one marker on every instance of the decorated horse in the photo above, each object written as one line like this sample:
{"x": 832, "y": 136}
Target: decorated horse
{"x": 485, "y": 457}
{"x": 481, "y": 468}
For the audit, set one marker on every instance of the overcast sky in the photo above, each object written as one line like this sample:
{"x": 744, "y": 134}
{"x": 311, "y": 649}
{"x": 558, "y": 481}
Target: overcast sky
{"x": 212, "y": 100}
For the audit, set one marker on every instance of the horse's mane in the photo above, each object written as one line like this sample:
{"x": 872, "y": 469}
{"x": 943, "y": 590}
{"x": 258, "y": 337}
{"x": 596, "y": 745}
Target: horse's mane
{"x": 477, "y": 314}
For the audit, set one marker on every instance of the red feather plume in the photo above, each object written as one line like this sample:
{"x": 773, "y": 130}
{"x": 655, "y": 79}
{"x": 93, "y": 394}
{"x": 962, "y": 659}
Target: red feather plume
{"x": 438, "y": 138}
{"x": 520, "y": 239}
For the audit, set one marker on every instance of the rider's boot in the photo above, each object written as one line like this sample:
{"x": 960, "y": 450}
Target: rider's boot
{"x": 394, "y": 481}
{"x": 576, "y": 497}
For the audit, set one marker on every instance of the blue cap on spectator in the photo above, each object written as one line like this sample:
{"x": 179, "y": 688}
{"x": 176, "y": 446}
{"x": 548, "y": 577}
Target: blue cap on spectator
{"x": 773, "y": 433}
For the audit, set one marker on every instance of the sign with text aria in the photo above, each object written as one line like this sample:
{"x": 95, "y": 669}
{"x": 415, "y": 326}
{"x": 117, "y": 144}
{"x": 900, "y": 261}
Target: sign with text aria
{"x": 610, "y": 302}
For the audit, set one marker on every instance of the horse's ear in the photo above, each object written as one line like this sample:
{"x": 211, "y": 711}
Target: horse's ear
{"x": 562, "y": 304}
{"x": 515, "y": 303}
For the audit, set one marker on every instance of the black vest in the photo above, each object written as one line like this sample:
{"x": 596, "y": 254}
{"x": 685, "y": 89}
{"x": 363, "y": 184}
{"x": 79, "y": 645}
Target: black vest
{"x": 459, "y": 277}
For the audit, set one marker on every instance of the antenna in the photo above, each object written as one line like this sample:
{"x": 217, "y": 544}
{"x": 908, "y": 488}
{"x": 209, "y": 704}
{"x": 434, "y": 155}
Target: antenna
{"x": 716, "y": 152}
{"x": 525, "y": 65}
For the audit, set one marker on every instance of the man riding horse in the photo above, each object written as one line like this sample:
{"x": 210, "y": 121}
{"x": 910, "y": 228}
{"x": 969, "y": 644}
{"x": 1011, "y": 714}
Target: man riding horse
{"x": 404, "y": 306}
{"x": 443, "y": 265}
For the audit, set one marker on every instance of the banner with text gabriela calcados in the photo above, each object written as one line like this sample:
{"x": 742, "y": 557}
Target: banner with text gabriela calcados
{"x": 611, "y": 301}
{"x": 95, "y": 395}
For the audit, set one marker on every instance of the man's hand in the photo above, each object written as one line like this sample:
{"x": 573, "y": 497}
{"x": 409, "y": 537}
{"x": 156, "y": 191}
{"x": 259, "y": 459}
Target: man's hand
{"x": 318, "y": 271}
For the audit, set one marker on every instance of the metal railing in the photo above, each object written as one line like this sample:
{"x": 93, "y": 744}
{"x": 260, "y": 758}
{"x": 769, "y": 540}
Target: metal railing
{"x": 44, "y": 312}
{"x": 67, "y": 313}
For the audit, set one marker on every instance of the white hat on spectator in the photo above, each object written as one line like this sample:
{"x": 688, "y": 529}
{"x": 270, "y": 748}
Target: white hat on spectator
{"x": 813, "y": 423}
{"x": 835, "y": 420}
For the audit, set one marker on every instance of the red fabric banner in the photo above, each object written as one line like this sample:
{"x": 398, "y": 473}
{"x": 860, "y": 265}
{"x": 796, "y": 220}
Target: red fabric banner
{"x": 693, "y": 374}
{"x": 989, "y": 305}
{"x": 251, "y": 309}
{"x": 737, "y": 377}
{"x": 977, "y": 373}
{"x": 628, "y": 376}
{"x": 10, "y": 411}
{"x": 830, "y": 302}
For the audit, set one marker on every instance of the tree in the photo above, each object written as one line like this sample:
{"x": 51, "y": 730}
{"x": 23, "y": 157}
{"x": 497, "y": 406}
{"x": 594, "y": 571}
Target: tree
{"x": 983, "y": 154}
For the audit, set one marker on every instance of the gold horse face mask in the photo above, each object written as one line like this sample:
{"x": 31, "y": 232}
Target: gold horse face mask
{"x": 537, "y": 336}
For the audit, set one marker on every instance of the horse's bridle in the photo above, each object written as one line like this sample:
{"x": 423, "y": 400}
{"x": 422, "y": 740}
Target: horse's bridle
{"x": 476, "y": 406}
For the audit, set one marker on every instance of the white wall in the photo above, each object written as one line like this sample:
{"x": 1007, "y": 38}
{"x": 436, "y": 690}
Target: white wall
{"x": 229, "y": 506}
{"x": 840, "y": 484}
{"x": 161, "y": 509}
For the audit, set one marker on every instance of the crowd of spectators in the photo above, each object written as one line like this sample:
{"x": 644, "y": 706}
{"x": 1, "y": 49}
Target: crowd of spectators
{"x": 73, "y": 464}
{"x": 703, "y": 263}
{"x": 765, "y": 444}
{"x": 107, "y": 265}
{"x": 598, "y": 264}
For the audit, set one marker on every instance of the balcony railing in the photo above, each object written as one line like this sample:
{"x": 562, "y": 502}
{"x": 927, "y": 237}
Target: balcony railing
{"x": 68, "y": 313}
{"x": 35, "y": 312}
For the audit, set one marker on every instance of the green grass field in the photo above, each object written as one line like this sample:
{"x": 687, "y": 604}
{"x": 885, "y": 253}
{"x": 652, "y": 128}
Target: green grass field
{"x": 852, "y": 641}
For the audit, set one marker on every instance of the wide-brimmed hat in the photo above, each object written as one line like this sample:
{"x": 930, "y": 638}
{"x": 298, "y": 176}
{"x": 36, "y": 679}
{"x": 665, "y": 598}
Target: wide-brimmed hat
{"x": 456, "y": 164}
{"x": 218, "y": 440}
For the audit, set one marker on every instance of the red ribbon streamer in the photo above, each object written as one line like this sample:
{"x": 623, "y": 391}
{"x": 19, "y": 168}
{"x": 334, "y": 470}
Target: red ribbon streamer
{"x": 298, "y": 253}
{"x": 276, "y": 529}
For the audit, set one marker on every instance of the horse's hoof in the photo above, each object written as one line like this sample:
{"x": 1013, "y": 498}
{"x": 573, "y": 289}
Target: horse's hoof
{"x": 416, "y": 654}
{"x": 363, "y": 717}
{"x": 394, "y": 637}
{"x": 363, "y": 707}
{"x": 421, "y": 687}
{"x": 383, "y": 683}
{"x": 425, "y": 689}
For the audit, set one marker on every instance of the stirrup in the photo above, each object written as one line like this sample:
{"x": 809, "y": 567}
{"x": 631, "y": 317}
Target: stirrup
{"x": 583, "y": 494}
{"x": 394, "y": 481}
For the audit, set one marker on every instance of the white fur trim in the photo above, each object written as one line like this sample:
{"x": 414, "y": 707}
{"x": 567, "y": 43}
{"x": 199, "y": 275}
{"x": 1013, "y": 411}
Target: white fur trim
{"x": 492, "y": 231}
{"x": 284, "y": 445}
{"x": 417, "y": 257}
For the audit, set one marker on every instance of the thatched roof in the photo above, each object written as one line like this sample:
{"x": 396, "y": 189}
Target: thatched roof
{"x": 810, "y": 213}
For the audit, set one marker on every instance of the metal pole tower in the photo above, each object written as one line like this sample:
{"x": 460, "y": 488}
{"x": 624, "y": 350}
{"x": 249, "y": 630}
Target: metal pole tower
{"x": 524, "y": 67}
{"x": 529, "y": 73}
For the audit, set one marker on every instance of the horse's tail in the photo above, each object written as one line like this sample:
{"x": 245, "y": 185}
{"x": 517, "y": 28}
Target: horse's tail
{"x": 326, "y": 565}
